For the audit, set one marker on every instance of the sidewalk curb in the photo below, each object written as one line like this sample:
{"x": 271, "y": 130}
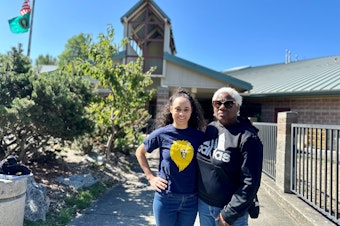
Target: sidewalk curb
{"x": 300, "y": 211}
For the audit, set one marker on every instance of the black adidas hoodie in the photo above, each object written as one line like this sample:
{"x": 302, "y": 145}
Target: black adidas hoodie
{"x": 230, "y": 167}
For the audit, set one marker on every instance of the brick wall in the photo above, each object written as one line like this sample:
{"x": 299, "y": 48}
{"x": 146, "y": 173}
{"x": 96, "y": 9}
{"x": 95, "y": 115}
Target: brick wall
{"x": 311, "y": 110}
{"x": 162, "y": 98}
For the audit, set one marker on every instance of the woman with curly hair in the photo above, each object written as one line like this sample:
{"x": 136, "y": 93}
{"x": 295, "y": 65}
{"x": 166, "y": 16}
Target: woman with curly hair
{"x": 178, "y": 137}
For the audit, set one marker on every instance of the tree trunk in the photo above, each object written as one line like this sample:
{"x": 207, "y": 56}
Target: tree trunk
{"x": 110, "y": 142}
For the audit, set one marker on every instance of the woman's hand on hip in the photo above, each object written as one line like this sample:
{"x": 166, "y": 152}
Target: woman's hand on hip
{"x": 158, "y": 183}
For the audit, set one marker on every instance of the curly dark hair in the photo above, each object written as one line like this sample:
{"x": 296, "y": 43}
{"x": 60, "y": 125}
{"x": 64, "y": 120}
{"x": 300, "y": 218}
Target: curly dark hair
{"x": 196, "y": 120}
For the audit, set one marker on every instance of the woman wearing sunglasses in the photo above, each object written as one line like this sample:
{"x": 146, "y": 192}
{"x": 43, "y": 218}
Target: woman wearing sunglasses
{"x": 178, "y": 138}
{"x": 229, "y": 162}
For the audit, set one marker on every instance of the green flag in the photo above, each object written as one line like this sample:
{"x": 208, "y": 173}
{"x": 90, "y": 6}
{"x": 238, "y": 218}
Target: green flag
{"x": 20, "y": 24}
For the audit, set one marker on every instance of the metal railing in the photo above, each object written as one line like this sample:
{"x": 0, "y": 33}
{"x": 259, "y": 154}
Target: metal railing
{"x": 268, "y": 134}
{"x": 315, "y": 167}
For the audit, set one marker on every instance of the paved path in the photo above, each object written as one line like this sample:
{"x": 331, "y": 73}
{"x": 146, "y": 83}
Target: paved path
{"x": 130, "y": 203}
{"x": 271, "y": 213}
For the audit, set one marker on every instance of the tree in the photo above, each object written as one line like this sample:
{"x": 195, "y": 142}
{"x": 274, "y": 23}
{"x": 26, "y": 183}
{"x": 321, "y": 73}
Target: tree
{"x": 46, "y": 60}
{"x": 35, "y": 108}
{"x": 60, "y": 102}
{"x": 15, "y": 61}
{"x": 14, "y": 84}
{"x": 14, "y": 69}
{"x": 74, "y": 49}
{"x": 123, "y": 113}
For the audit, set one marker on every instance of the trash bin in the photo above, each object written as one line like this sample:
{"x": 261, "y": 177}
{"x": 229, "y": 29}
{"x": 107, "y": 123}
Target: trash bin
{"x": 12, "y": 199}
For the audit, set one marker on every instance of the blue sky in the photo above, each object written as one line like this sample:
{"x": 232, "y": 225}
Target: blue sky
{"x": 218, "y": 34}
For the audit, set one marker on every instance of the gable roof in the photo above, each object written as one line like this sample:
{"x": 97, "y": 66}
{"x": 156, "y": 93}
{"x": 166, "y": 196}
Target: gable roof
{"x": 139, "y": 4}
{"x": 319, "y": 76}
{"x": 140, "y": 7}
{"x": 245, "y": 86}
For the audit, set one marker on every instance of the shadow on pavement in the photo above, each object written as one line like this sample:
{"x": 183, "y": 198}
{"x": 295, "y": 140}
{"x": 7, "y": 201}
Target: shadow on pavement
{"x": 128, "y": 203}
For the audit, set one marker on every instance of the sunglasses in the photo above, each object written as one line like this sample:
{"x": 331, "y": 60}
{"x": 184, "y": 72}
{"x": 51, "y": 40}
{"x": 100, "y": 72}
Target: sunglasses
{"x": 227, "y": 104}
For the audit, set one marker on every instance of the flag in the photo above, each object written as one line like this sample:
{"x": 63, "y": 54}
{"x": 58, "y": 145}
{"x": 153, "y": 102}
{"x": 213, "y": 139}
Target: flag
{"x": 25, "y": 8}
{"x": 20, "y": 24}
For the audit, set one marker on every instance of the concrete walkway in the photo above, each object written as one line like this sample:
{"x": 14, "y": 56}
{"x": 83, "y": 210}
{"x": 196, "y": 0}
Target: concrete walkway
{"x": 130, "y": 203}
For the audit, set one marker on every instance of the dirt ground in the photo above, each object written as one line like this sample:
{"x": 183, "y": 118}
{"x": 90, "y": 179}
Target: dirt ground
{"x": 69, "y": 163}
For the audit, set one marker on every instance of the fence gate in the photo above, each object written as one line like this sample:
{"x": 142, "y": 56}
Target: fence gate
{"x": 315, "y": 167}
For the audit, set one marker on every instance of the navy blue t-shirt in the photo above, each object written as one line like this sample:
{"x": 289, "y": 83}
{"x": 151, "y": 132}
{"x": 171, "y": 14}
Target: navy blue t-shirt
{"x": 177, "y": 161}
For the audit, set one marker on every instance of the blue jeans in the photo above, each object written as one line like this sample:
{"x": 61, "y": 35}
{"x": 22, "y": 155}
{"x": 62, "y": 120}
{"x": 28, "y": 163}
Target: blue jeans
{"x": 207, "y": 215}
{"x": 175, "y": 209}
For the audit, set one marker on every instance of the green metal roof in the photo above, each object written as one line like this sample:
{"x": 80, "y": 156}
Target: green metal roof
{"x": 319, "y": 76}
{"x": 119, "y": 55}
{"x": 208, "y": 72}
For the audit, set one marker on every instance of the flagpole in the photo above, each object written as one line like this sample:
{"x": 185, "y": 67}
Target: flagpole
{"x": 31, "y": 28}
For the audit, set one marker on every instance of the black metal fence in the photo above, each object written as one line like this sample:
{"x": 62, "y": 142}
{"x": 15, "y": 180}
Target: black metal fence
{"x": 315, "y": 163}
{"x": 315, "y": 167}
{"x": 268, "y": 134}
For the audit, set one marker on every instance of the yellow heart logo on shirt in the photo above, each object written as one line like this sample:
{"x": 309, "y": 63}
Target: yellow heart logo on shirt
{"x": 182, "y": 153}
